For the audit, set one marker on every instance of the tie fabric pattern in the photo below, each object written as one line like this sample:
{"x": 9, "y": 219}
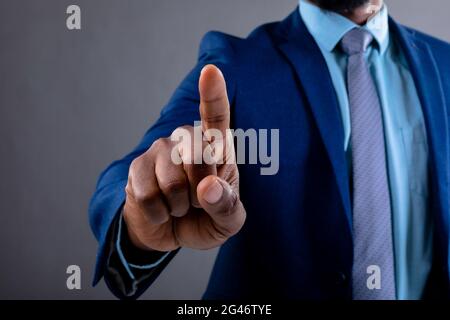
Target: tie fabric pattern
{"x": 373, "y": 274}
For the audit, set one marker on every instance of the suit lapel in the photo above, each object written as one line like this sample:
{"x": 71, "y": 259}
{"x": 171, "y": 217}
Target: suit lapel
{"x": 429, "y": 87}
{"x": 301, "y": 50}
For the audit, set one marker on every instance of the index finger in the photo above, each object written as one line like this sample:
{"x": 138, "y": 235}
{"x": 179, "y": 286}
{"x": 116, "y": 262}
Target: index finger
{"x": 215, "y": 114}
{"x": 214, "y": 105}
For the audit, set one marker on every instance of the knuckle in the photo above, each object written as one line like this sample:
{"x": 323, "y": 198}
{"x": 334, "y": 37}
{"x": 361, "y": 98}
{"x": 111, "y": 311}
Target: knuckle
{"x": 220, "y": 236}
{"x": 158, "y": 145}
{"x": 232, "y": 226}
{"x": 135, "y": 165}
{"x": 133, "y": 172}
{"x": 199, "y": 171}
{"x": 229, "y": 218}
{"x": 229, "y": 205}
{"x": 174, "y": 186}
{"x": 140, "y": 163}
{"x": 217, "y": 118}
{"x": 227, "y": 231}
{"x": 181, "y": 133}
{"x": 128, "y": 190}
{"x": 145, "y": 197}
{"x": 223, "y": 232}
{"x": 184, "y": 129}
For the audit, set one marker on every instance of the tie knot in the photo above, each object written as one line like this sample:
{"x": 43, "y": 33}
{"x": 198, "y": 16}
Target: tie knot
{"x": 356, "y": 41}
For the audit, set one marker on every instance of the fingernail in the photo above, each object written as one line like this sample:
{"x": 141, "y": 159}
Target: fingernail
{"x": 213, "y": 193}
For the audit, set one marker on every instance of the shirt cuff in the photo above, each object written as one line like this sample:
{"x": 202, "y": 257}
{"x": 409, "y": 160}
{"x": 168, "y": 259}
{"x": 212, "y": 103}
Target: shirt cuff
{"x": 131, "y": 258}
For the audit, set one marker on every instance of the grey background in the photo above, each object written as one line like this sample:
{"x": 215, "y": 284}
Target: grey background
{"x": 73, "y": 101}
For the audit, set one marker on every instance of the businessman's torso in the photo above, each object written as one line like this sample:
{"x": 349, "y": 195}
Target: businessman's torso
{"x": 297, "y": 240}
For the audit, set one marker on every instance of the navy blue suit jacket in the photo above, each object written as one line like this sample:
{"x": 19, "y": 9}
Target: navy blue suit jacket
{"x": 297, "y": 240}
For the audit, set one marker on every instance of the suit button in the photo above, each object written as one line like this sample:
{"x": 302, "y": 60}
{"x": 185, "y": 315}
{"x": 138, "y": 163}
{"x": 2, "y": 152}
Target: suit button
{"x": 340, "y": 278}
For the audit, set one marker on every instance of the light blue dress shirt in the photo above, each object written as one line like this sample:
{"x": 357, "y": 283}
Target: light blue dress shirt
{"x": 405, "y": 136}
{"x": 130, "y": 267}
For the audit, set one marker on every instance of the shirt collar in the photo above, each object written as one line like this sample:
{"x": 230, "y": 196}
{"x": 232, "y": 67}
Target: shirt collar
{"x": 328, "y": 27}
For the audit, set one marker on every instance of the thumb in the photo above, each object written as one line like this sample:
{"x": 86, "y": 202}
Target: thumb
{"x": 222, "y": 204}
{"x": 214, "y": 105}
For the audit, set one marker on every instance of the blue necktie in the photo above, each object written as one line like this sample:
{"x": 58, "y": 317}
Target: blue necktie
{"x": 373, "y": 276}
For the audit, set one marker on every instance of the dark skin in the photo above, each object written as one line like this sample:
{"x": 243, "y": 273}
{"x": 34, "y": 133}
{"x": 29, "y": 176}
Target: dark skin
{"x": 187, "y": 205}
{"x": 340, "y": 5}
{"x": 197, "y": 206}
{"x": 359, "y": 11}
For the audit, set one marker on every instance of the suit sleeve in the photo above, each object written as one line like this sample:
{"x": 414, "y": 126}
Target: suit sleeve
{"x": 109, "y": 196}
{"x": 128, "y": 269}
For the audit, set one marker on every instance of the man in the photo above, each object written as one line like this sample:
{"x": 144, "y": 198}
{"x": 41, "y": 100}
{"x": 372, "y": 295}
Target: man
{"x": 359, "y": 207}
